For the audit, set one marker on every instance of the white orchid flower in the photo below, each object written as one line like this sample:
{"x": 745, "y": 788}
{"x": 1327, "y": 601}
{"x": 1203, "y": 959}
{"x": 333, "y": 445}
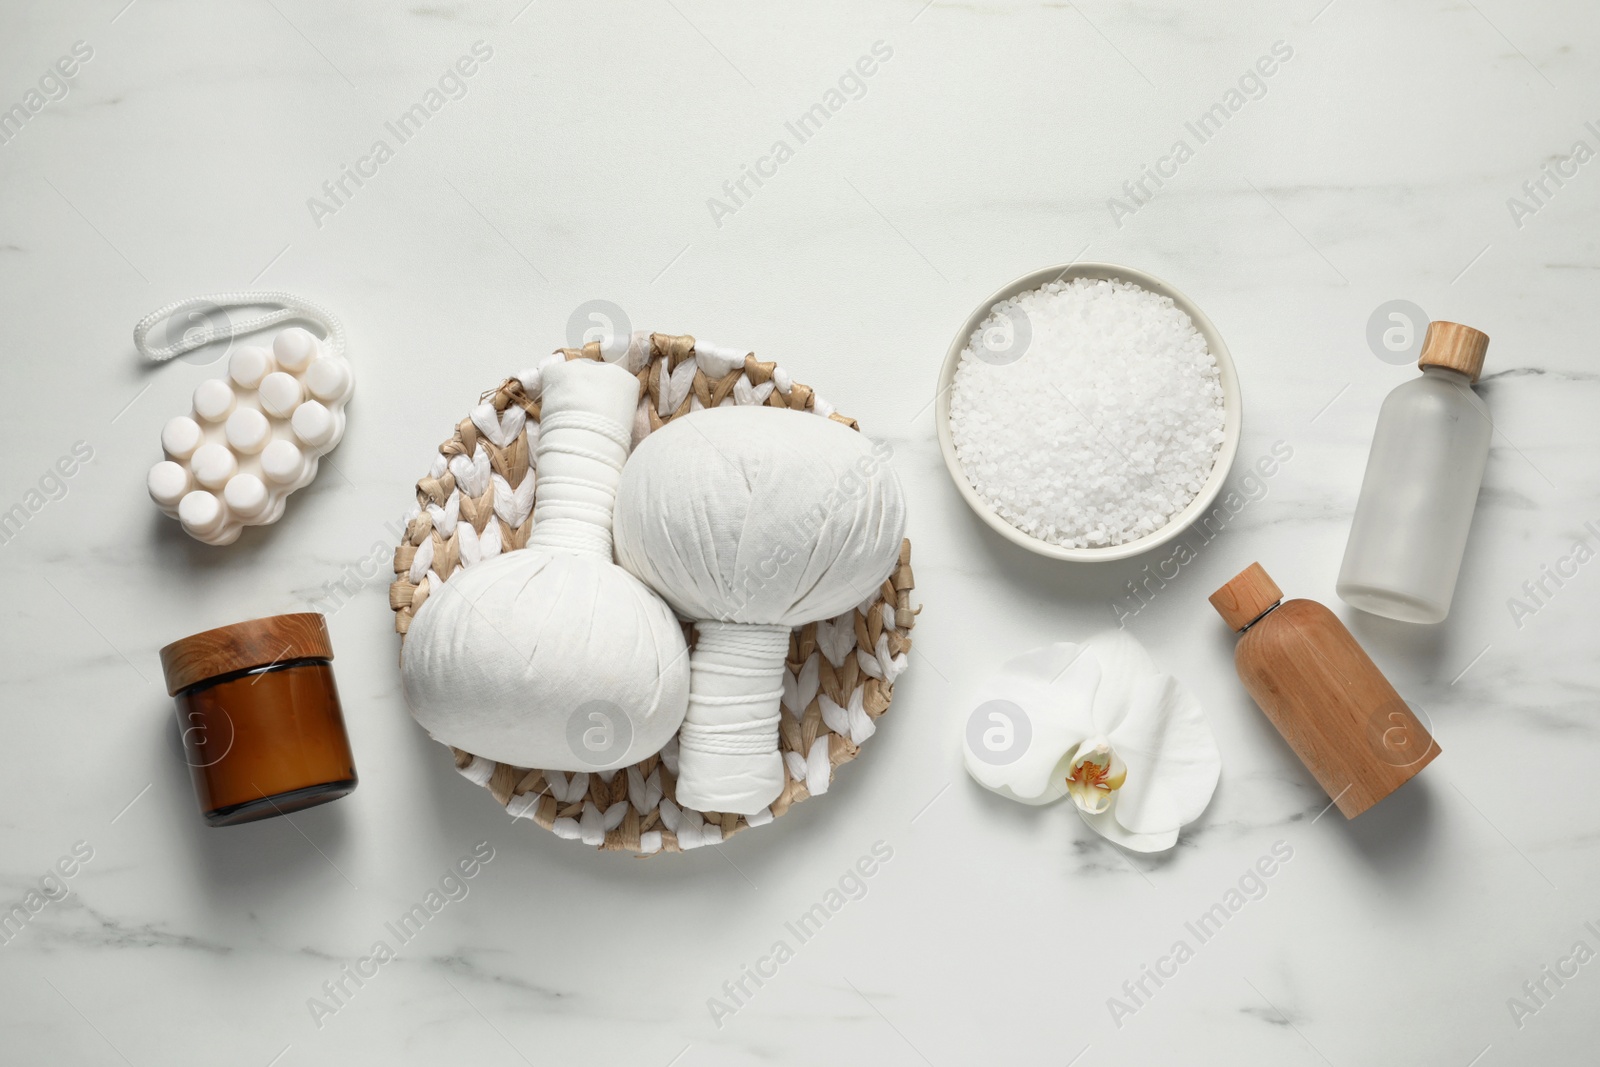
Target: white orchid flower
{"x": 1098, "y": 722}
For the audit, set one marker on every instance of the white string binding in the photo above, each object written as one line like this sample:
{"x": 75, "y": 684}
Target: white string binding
{"x": 289, "y": 306}
{"x": 753, "y": 738}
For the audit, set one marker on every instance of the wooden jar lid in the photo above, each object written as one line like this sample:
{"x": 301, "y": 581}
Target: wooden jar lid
{"x": 1455, "y": 347}
{"x": 244, "y": 645}
{"x": 1247, "y": 596}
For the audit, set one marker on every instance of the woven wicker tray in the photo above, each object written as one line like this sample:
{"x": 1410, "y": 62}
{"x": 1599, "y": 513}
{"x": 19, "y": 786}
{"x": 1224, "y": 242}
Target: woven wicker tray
{"x": 841, "y": 672}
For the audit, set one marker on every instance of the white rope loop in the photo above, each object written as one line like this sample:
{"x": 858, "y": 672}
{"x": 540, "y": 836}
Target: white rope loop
{"x": 546, "y": 446}
{"x": 752, "y": 738}
{"x": 289, "y": 307}
{"x": 622, "y": 436}
{"x": 572, "y": 535}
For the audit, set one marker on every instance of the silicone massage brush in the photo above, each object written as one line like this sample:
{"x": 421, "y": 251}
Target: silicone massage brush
{"x": 255, "y": 435}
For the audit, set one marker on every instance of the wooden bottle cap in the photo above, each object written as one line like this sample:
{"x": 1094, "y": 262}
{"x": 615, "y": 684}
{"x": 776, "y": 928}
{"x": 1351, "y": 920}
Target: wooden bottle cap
{"x": 1247, "y": 596}
{"x": 1455, "y": 347}
{"x": 244, "y": 645}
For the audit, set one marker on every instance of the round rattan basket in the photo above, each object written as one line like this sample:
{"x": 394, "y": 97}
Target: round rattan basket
{"x": 476, "y": 502}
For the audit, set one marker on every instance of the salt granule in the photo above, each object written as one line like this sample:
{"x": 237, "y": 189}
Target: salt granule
{"x": 1087, "y": 413}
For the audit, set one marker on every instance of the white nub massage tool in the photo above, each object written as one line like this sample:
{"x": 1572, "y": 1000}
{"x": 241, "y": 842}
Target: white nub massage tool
{"x": 255, "y": 435}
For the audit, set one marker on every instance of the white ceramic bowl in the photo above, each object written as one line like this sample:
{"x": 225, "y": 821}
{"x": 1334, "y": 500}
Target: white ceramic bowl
{"x": 1232, "y": 413}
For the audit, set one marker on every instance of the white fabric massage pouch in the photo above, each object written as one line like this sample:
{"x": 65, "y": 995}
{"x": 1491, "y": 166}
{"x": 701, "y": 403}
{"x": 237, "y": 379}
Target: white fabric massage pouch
{"x": 752, "y": 521}
{"x": 552, "y": 656}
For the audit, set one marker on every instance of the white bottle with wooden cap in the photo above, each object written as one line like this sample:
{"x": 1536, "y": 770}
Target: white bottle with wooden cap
{"x": 1427, "y": 460}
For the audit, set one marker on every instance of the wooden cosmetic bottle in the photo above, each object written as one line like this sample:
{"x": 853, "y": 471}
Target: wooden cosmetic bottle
{"x": 1323, "y": 693}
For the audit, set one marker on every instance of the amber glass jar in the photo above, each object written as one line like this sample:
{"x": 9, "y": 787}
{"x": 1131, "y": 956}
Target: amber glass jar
{"x": 262, "y": 729}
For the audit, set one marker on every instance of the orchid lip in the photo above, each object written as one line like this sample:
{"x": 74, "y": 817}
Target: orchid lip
{"x": 1094, "y": 774}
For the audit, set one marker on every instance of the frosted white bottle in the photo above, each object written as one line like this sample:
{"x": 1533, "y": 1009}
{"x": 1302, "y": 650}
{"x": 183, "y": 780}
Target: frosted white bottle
{"x": 1427, "y": 460}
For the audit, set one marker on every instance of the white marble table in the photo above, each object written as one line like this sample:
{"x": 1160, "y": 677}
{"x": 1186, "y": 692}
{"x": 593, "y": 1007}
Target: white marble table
{"x": 578, "y": 162}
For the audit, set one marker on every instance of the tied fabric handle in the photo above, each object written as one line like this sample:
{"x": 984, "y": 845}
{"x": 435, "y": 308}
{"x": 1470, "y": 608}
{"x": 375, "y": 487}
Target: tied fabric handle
{"x": 289, "y": 307}
{"x": 728, "y": 745}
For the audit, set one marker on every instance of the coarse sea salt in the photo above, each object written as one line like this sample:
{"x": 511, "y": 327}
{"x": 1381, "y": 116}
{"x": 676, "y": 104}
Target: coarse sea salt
{"x": 1087, "y": 413}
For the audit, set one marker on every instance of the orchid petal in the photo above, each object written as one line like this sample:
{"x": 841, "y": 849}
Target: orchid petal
{"x": 1042, "y": 702}
{"x": 1172, "y": 757}
{"x": 1106, "y": 825}
{"x": 1123, "y": 663}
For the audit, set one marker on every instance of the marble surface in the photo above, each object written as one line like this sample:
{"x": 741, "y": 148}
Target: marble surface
{"x": 577, "y": 163}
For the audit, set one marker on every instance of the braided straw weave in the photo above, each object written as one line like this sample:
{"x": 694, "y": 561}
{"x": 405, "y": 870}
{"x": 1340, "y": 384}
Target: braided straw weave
{"x": 477, "y": 501}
